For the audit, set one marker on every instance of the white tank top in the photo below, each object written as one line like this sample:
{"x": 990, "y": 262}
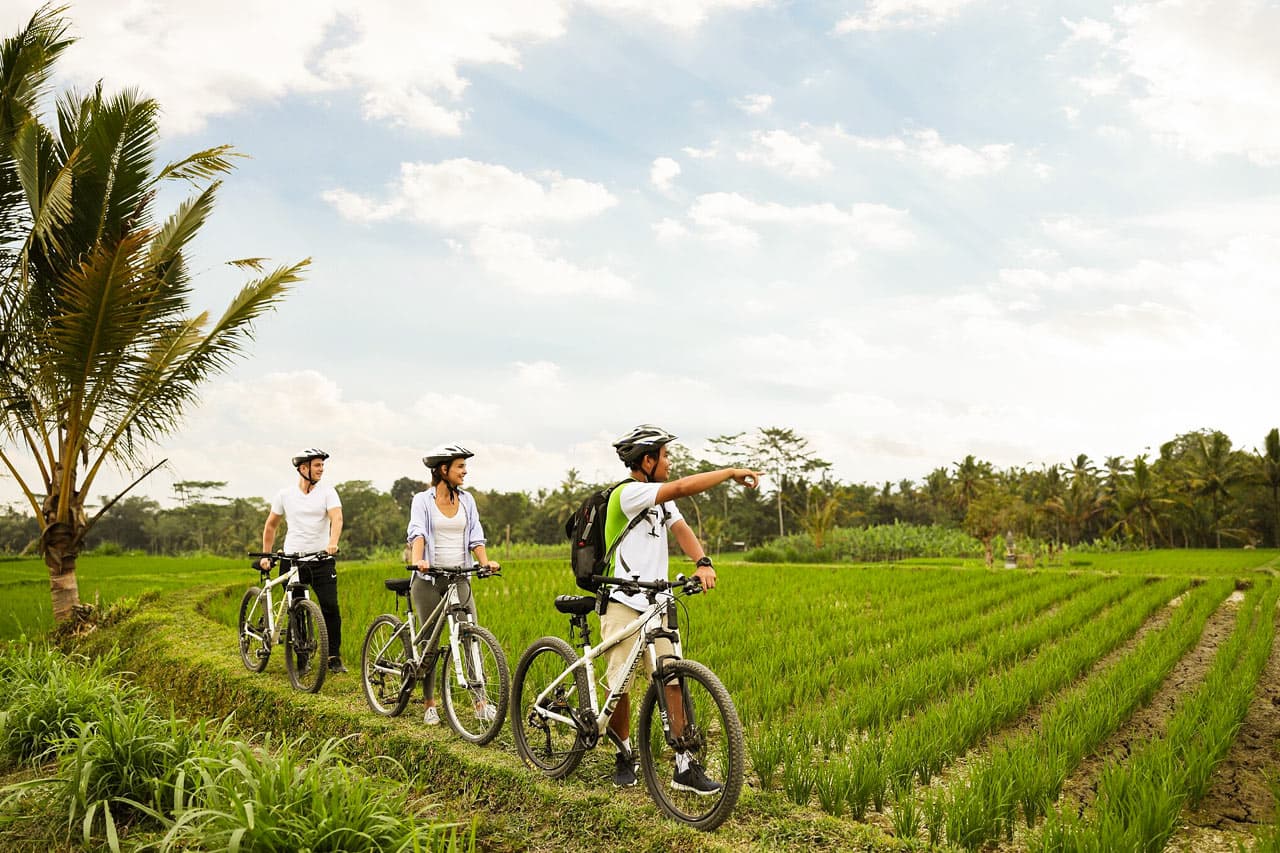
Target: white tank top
{"x": 451, "y": 538}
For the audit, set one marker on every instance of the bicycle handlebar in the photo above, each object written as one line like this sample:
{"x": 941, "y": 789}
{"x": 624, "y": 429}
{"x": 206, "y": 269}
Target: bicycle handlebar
{"x": 300, "y": 557}
{"x": 689, "y": 585}
{"x": 458, "y": 571}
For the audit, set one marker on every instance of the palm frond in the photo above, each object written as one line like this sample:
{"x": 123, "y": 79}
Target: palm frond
{"x": 165, "y": 256}
{"x": 46, "y": 183}
{"x": 202, "y": 165}
{"x": 255, "y": 264}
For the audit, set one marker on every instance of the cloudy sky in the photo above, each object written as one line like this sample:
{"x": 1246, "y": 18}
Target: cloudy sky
{"x": 908, "y": 229}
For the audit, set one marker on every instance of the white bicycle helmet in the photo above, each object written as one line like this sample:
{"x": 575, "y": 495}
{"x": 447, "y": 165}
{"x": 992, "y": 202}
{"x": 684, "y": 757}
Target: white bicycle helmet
{"x": 309, "y": 454}
{"x": 445, "y": 453}
{"x": 642, "y": 440}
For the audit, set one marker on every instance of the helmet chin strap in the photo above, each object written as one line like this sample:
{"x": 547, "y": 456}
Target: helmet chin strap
{"x": 307, "y": 476}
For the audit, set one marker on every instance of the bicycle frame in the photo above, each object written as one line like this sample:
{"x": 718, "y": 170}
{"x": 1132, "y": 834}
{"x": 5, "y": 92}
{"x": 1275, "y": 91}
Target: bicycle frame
{"x": 275, "y": 613}
{"x": 424, "y": 639}
{"x": 644, "y": 641}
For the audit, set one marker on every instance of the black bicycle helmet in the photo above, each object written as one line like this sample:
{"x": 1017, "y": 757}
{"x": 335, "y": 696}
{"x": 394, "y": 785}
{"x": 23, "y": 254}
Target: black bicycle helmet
{"x": 445, "y": 453}
{"x": 642, "y": 440}
{"x": 309, "y": 454}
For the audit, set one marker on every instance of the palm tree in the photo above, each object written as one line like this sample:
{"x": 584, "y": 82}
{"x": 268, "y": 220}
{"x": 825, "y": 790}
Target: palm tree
{"x": 1138, "y": 500}
{"x": 99, "y": 355}
{"x": 972, "y": 476}
{"x": 1268, "y": 473}
{"x": 1212, "y": 470}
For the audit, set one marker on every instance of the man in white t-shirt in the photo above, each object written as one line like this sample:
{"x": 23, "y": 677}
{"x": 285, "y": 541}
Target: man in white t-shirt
{"x": 314, "y": 515}
{"x": 642, "y": 554}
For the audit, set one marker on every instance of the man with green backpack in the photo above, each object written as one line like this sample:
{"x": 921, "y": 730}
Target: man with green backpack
{"x": 640, "y": 512}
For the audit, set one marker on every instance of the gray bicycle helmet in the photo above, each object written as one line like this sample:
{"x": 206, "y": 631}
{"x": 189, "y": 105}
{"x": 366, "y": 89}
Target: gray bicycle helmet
{"x": 309, "y": 454}
{"x": 445, "y": 453}
{"x": 642, "y": 440}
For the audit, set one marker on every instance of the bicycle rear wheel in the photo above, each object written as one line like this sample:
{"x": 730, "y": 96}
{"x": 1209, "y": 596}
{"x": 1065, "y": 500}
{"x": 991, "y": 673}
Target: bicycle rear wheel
{"x": 553, "y": 747}
{"x": 255, "y": 645}
{"x": 711, "y": 739}
{"x": 384, "y": 662}
{"x": 306, "y": 646}
{"x": 475, "y": 702}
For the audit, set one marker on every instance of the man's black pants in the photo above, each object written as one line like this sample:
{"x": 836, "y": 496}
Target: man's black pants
{"x": 322, "y": 577}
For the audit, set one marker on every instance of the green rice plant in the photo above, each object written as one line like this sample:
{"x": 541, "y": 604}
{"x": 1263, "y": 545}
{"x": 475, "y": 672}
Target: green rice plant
{"x": 934, "y": 808}
{"x": 798, "y": 779}
{"x": 283, "y": 800}
{"x": 907, "y": 816}
{"x": 832, "y": 783}
{"x": 767, "y": 750}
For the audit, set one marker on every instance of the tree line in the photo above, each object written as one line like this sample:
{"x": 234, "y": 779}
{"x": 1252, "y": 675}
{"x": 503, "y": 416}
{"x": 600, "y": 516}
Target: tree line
{"x": 1198, "y": 491}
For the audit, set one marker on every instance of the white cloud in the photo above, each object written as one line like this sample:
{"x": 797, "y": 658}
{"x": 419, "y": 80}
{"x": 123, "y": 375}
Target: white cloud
{"x": 669, "y": 230}
{"x": 902, "y": 14}
{"x": 663, "y": 172}
{"x": 462, "y": 193}
{"x": 470, "y": 409}
{"x": 1089, "y": 30}
{"x": 532, "y": 266}
{"x": 1205, "y": 74}
{"x": 787, "y": 153}
{"x": 540, "y": 375}
{"x": 754, "y": 104}
{"x": 708, "y": 153}
{"x": 733, "y": 218}
{"x": 686, "y": 15}
{"x": 928, "y": 148}
{"x": 402, "y": 57}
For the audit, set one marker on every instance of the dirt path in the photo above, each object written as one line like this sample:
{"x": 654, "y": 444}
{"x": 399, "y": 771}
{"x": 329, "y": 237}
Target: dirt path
{"x": 1238, "y": 798}
{"x": 1149, "y": 721}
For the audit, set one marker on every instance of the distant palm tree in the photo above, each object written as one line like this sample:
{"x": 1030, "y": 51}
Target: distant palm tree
{"x": 99, "y": 355}
{"x": 1268, "y": 473}
{"x": 1212, "y": 469}
{"x": 971, "y": 477}
{"x": 1139, "y": 501}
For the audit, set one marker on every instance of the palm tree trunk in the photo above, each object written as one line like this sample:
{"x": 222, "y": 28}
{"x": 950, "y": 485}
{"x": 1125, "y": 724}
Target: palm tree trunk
{"x": 59, "y": 552}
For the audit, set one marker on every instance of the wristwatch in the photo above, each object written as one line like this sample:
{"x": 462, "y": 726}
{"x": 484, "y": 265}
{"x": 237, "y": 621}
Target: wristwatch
{"x": 703, "y": 561}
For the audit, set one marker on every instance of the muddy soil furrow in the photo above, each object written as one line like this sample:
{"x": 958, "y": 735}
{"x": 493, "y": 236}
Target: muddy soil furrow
{"x": 1149, "y": 721}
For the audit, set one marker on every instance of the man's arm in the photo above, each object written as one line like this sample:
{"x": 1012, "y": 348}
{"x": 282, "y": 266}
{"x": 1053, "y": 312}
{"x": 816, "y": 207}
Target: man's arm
{"x": 335, "y": 529}
{"x": 697, "y": 483}
{"x": 269, "y": 535}
{"x": 688, "y": 541}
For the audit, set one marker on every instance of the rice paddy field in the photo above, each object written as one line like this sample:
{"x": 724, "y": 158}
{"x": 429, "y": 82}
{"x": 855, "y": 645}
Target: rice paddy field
{"x": 1113, "y": 702}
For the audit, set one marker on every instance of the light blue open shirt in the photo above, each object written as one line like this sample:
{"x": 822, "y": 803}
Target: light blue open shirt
{"x": 420, "y": 521}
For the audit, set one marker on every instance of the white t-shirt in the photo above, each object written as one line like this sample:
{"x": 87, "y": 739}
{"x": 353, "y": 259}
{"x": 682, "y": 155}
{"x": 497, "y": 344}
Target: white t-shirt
{"x": 451, "y": 537}
{"x": 643, "y": 551}
{"x": 307, "y": 516}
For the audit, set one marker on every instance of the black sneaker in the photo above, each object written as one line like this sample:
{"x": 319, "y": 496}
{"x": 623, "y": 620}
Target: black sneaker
{"x": 624, "y": 770}
{"x": 335, "y": 665}
{"x": 695, "y": 780}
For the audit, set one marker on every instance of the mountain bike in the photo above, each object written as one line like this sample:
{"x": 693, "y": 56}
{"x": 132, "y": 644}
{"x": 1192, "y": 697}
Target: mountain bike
{"x": 475, "y": 682}
{"x": 295, "y": 618}
{"x": 556, "y": 716}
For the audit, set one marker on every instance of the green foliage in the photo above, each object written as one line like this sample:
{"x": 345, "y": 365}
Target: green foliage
{"x": 870, "y": 544}
{"x": 48, "y": 699}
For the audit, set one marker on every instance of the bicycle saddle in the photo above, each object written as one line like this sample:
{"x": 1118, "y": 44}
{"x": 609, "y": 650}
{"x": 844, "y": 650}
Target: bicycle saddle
{"x": 400, "y": 586}
{"x": 575, "y": 604}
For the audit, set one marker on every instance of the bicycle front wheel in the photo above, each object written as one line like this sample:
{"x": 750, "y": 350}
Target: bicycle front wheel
{"x": 701, "y": 787}
{"x": 306, "y": 646}
{"x": 255, "y": 645}
{"x": 384, "y": 662}
{"x": 552, "y": 746}
{"x": 475, "y": 695}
